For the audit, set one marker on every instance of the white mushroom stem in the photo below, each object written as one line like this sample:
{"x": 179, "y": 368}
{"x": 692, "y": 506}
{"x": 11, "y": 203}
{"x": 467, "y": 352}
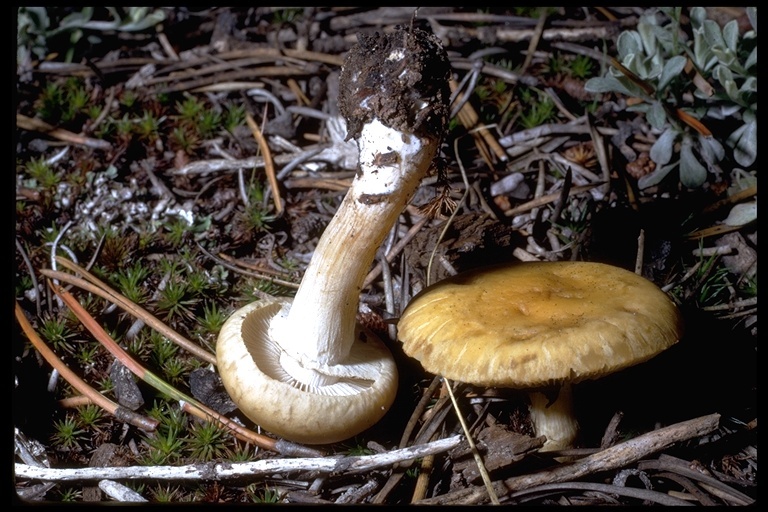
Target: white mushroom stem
{"x": 317, "y": 330}
{"x": 556, "y": 420}
{"x": 303, "y": 368}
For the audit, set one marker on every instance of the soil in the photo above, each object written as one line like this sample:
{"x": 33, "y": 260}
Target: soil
{"x": 400, "y": 78}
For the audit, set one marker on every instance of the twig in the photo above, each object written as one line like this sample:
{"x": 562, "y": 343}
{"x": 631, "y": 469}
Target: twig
{"x": 471, "y": 121}
{"x": 681, "y": 467}
{"x": 224, "y": 262}
{"x": 120, "y": 492}
{"x": 689, "y": 486}
{"x": 39, "y": 125}
{"x": 392, "y": 254}
{"x": 32, "y": 276}
{"x": 534, "y": 41}
{"x": 233, "y": 470}
{"x": 641, "y": 494}
{"x": 204, "y": 167}
{"x": 428, "y": 429}
{"x": 475, "y": 453}
{"x": 549, "y": 198}
{"x": 422, "y": 481}
{"x": 617, "y": 456}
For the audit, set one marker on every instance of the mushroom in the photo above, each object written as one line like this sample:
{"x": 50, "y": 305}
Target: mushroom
{"x": 539, "y": 326}
{"x": 304, "y": 368}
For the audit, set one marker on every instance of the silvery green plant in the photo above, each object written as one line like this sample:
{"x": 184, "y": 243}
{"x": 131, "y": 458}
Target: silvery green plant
{"x": 656, "y": 53}
{"x": 35, "y": 27}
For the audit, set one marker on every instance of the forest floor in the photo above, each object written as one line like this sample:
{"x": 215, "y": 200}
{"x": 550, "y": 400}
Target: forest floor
{"x": 176, "y": 164}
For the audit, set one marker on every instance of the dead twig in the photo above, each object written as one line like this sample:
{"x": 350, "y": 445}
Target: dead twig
{"x": 617, "y": 456}
{"x": 233, "y": 470}
{"x": 29, "y": 123}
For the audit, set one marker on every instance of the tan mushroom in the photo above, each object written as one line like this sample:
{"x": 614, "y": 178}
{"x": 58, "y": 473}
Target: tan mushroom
{"x": 539, "y": 326}
{"x": 303, "y": 368}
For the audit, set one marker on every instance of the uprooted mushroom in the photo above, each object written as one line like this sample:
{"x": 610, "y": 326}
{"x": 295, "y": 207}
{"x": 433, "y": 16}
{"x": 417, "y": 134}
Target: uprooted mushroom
{"x": 304, "y": 368}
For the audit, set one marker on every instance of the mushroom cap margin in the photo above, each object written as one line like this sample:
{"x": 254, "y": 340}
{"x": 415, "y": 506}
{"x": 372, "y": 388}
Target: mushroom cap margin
{"x": 294, "y": 414}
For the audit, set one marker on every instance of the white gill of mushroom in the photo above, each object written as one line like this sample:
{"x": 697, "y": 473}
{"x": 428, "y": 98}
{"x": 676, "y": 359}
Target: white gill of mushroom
{"x": 316, "y": 331}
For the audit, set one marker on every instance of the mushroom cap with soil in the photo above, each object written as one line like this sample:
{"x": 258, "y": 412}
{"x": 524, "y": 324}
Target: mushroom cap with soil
{"x": 303, "y": 368}
{"x": 539, "y": 326}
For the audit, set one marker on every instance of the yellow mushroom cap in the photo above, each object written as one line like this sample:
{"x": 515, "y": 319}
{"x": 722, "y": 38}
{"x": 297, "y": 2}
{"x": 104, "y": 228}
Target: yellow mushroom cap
{"x": 534, "y": 324}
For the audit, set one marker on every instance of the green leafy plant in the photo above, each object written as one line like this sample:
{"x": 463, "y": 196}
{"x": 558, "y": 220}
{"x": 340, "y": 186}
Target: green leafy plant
{"x": 234, "y": 116}
{"x": 358, "y": 449}
{"x": 43, "y": 174}
{"x": 652, "y": 64}
{"x": 174, "y": 370}
{"x": 714, "y": 282}
{"x": 581, "y": 67}
{"x": 539, "y": 108}
{"x": 138, "y": 345}
{"x": 131, "y": 282}
{"x": 61, "y": 102}
{"x": 256, "y": 216}
{"x": 189, "y": 110}
{"x": 213, "y": 317}
{"x": 22, "y": 284}
{"x": 258, "y": 494}
{"x": 198, "y": 121}
{"x": 174, "y": 299}
{"x": 209, "y": 122}
{"x": 207, "y": 441}
{"x": 148, "y": 126}
{"x": 166, "y": 493}
{"x": 129, "y": 100}
{"x": 198, "y": 283}
{"x": 38, "y": 28}
{"x": 163, "y": 446}
{"x": 123, "y": 127}
{"x": 239, "y": 452}
{"x": 176, "y": 231}
{"x": 68, "y": 434}
{"x": 54, "y": 330}
{"x": 90, "y": 415}
{"x": 185, "y": 139}
{"x": 178, "y": 228}
{"x": 105, "y": 385}
{"x": 86, "y": 354}
{"x": 748, "y": 286}
{"x": 286, "y": 16}
{"x": 69, "y": 494}
{"x": 163, "y": 350}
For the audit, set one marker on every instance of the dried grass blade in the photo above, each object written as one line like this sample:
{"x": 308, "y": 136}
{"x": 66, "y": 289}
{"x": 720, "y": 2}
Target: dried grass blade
{"x": 269, "y": 165}
{"x": 92, "y": 284}
{"x": 120, "y": 412}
